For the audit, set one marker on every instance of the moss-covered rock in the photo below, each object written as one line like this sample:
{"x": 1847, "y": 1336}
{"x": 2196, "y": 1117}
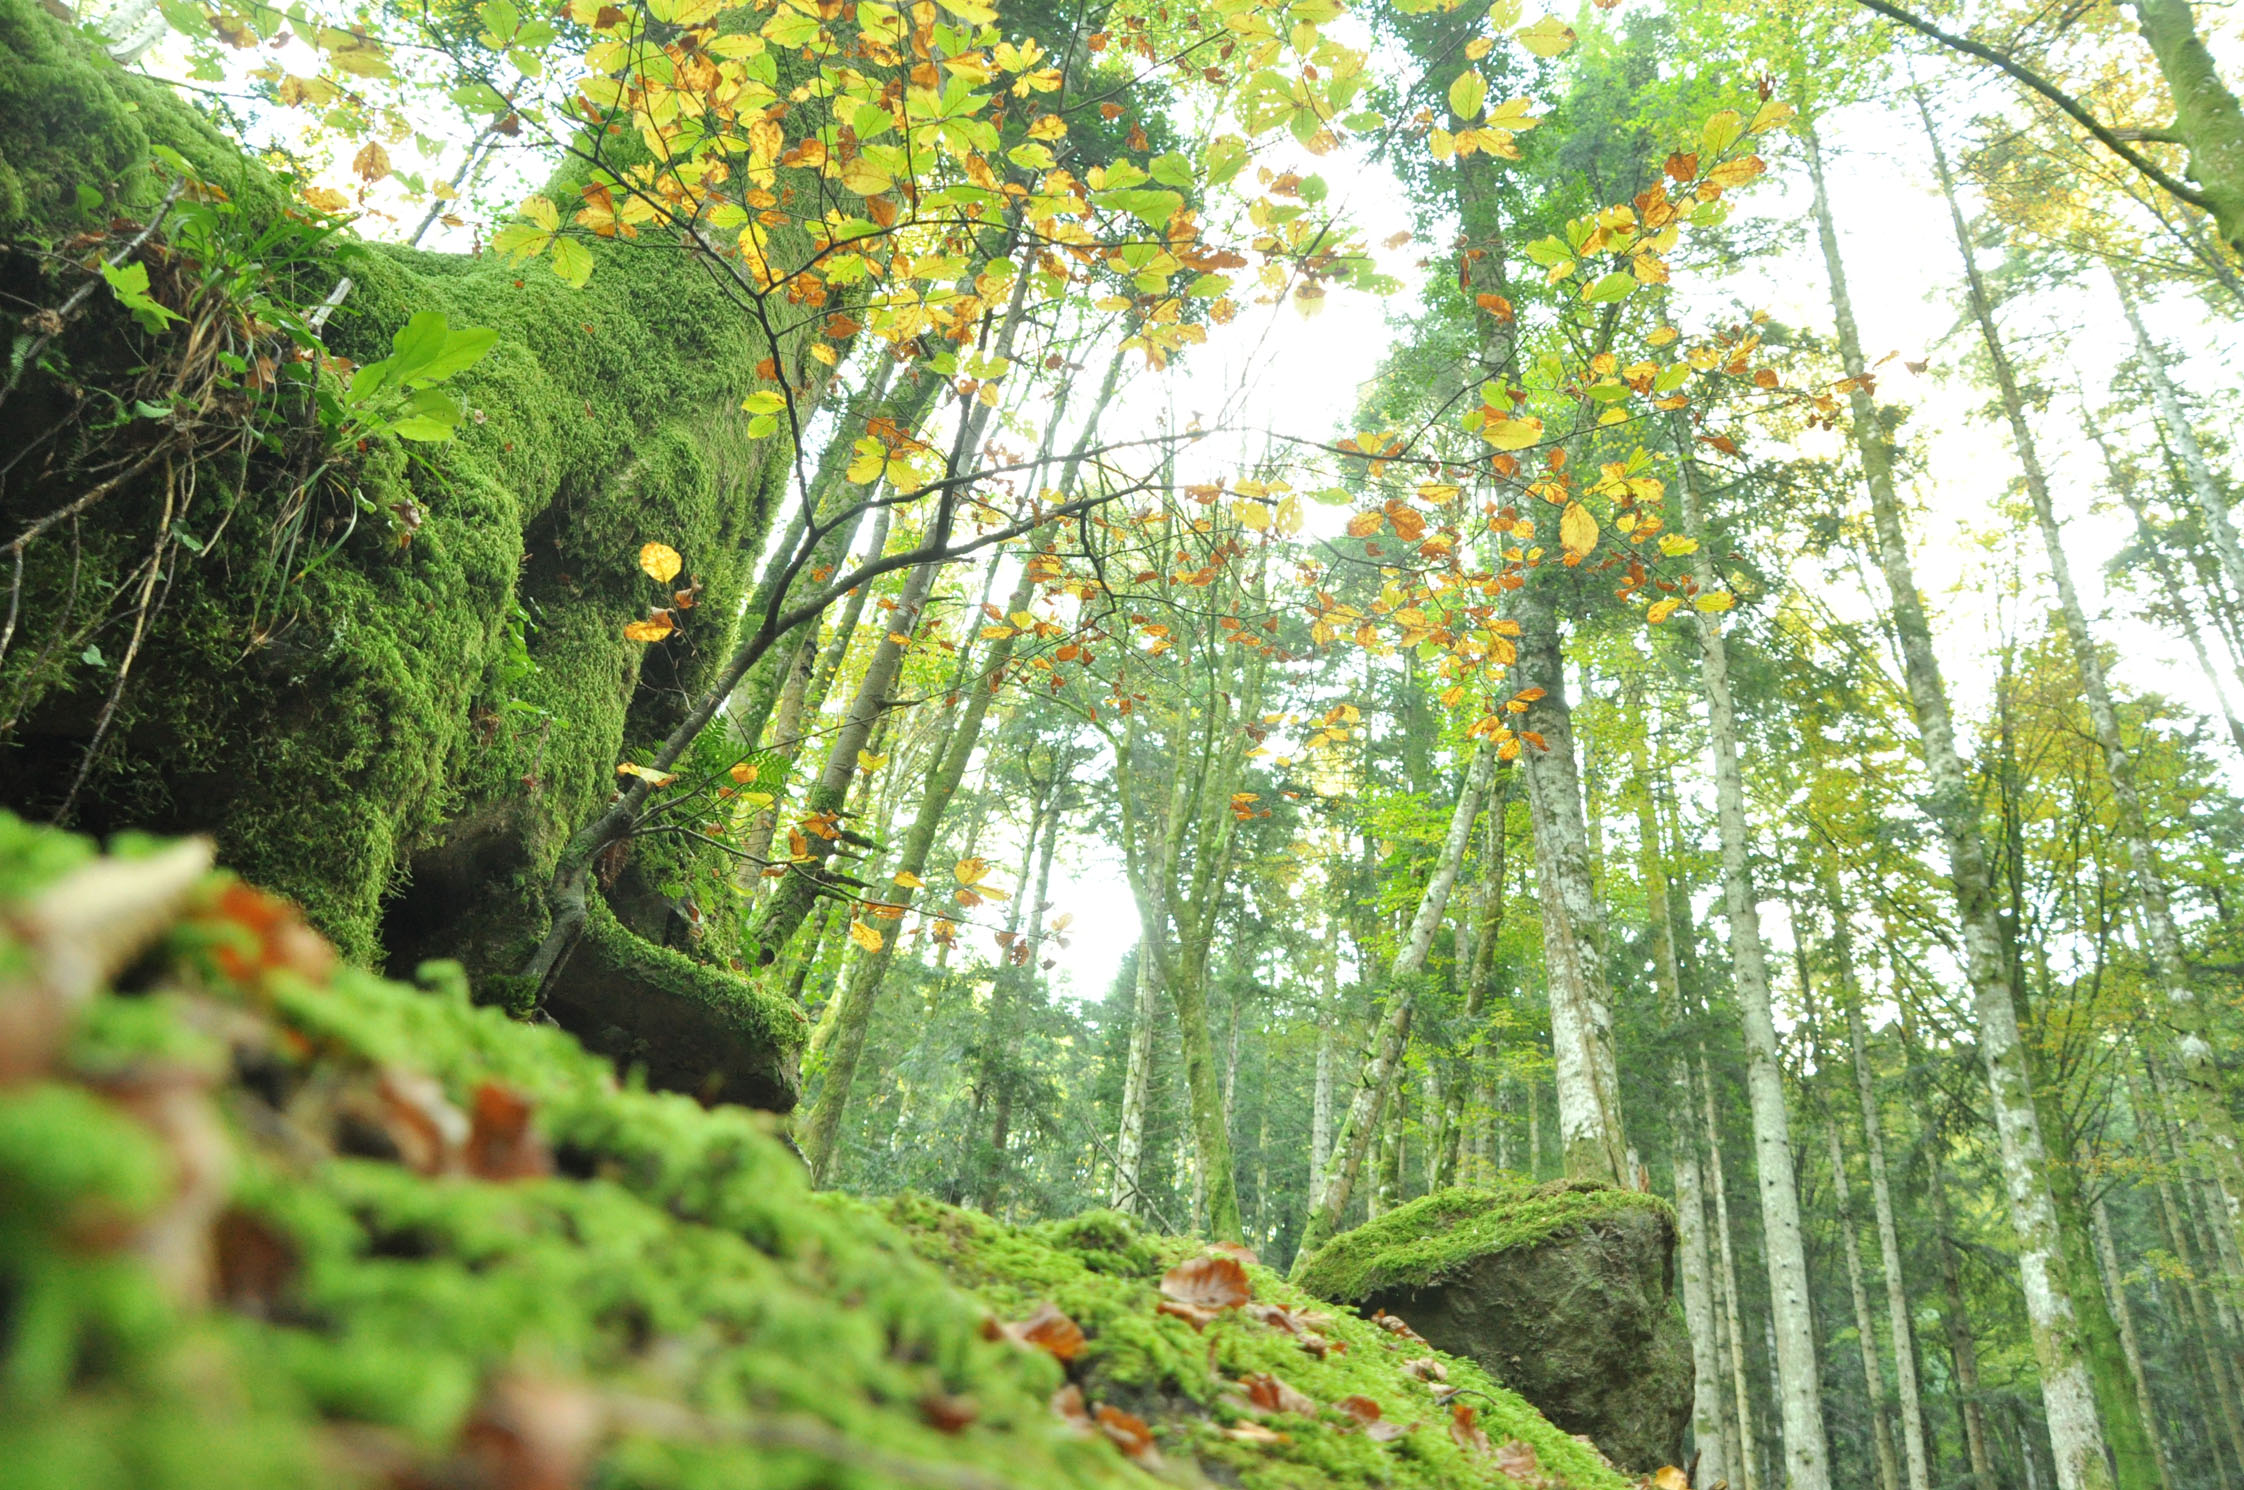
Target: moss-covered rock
{"x": 270, "y": 1220}
{"x": 1565, "y": 1292}
{"x": 393, "y": 696}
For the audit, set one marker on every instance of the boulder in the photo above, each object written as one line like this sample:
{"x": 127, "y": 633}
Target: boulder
{"x": 1565, "y": 1292}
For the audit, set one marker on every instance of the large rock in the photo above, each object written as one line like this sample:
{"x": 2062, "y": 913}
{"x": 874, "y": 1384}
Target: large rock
{"x": 1565, "y": 1292}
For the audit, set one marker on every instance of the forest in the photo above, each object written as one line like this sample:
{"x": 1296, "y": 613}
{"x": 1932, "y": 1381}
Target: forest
{"x": 1300, "y": 744}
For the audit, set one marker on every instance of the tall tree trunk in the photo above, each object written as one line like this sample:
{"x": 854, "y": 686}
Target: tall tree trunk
{"x": 1320, "y": 1103}
{"x": 2177, "y": 594}
{"x": 2206, "y": 1104}
{"x": 1799, "y": 1375}
{"x": 1488, "y": 916}
{"x": 1916, "y": 1455}
{"x": 1128, "y": 1195}
{"x": 2207, "y": 118}
{"x": 1690, "y": 1205}
{"x": 1001, "y": 1071}
{"x": 853, "y": 1021}
{"x": 1593, "y": 1140}
{"x": 2068, "y": 1395}
{"x": 1382, "y": 1064}
{"x": 1955, "y": 1315}
{"x": 2181, "y": 437}
{"x": 2115, "y": 1285}
{"x": 1732, "y": 1310}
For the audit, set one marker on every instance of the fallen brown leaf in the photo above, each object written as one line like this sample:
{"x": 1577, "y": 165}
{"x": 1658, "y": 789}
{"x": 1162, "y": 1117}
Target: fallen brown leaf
{"x": 1425, "y": 1368}
{"x": 1067, "y": 1406}
{"x": 1215, "y": 1283}
{"x": 946, "y": 1413}
{"x": 1362, "y": 1409}
{"x": 502, "y": 1144}
{"x": 1465, "y": 1428}
{"x": 1240, "y": 1250}
{"x": 1049, "y": 1330}
{"x": 420, "y": 1121}
{"x": 1191, "y": 1315}
{"x": 1273, "y": 1395}
{"x": 1517, "y": 1458}
{"x": 1129, "y": 1433}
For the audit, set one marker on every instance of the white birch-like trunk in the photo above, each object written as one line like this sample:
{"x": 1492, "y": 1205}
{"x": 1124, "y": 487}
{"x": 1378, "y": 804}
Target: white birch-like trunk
{"x": 1592, "y": 1139}
{"x": 1799, "y": 1376}
{"x": 2182, "y": 436}
{"x": 1732, "y": 1322}
{"x": 1693, "y": 1261}
{"x": 1382, "y": 1064}
{"x": 1129, "y": 1145}
{"x": 2205, "y": 1099}
{"x": 2068, "y": 1399}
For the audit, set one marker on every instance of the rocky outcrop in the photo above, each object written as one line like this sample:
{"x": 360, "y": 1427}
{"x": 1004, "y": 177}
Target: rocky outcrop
{"x": 1564, "y": 1292}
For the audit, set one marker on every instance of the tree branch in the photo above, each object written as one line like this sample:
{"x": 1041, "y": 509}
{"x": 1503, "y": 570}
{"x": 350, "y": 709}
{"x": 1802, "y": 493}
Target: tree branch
{"x": 2112, "y": 140}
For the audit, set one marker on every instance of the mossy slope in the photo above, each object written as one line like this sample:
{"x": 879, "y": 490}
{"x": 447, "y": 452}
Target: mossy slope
{"x": 269, "y": 1220}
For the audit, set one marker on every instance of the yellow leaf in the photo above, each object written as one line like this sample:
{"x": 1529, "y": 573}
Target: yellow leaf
{"x": 1771, "y": 114}
{"x": 1452, "y": 696}
{"x": 1547, "y": 37}
{"x": 1467, "y": 92}
{"x": 866, "y": 762}
{"x": 1715, "y": 600}
{"x": 1507, "y": 433}
{"x": 1721, "y": 131}
{"x": 864, "y": 936}
{"x": 1662, "y": 336}
{"x": 647, "y": 774}
{"x": 1735, "y": 173}
{"x": 661, "y": 562}
{"x": 1364, "y": 524}
{"x": 744, "y": 773}
{"x": 1662, "y": 609}
{"x": 653, "y": 629}
{"x": 1252, "y": 515}
{"x": 1670, "y": 1478}
{"x": 910, "y": 881}
{"x": 1477, "y": 48}
{"x": 970, "y": 871}
{"x": 1675, "y": 545}
{"x": 1577, "y": 530}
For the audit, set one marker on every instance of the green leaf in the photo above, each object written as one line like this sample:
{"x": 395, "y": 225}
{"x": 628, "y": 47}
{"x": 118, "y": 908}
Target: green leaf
{"x": 1172, "y": 170}
{"x": 1153, "y": 208}
{"x": 1610, "y": 289}
{"x": 1227, "y": 157}
{"x": 572, "y": 261}
{"x": 1466, "y": 95}
{"x": 129, "y": 283}
{"x": 500, "y": 21}
{"x": 429, "y": 415}
{"x": 1333, "y": 496}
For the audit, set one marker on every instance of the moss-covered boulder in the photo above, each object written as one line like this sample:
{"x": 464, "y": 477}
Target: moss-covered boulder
{"x": 1564, "y": 1292}
{"x": 269, "y": 1220}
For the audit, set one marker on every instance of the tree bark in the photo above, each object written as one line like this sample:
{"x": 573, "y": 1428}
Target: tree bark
{"x": 1593, "y": 1142}
{"x": 2181, "y": 436}
{"x": 2206, "y": 1102}
{"x": 1732, "y": 1313}
{"x": 1695, "y": 1265}
{"x": 2068, "y": 1397}
{"x": 1382, "y": 1064}
{"x": 1799, "y": 1374}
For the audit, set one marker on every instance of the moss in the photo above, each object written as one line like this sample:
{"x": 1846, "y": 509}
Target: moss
{"x": 1430, "y": 1239}
{"x": 740, "y": 1330}
{"x": 350, "y": 726}
{"x": 1185, "y": 1381}
{"x": 678, "y": 1257}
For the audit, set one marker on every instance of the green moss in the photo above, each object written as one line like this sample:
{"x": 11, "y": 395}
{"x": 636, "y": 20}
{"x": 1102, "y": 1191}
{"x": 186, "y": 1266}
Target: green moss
{"x": 344, "y": 725}
{"x": 743, "y": 1331}
{"x": 1429, "y": 1239}
{"x": 1185, "y": 1381}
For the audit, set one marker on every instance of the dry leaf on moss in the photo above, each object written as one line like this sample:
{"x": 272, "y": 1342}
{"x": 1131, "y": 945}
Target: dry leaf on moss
{"x": 1465, "y": 1428}
{"x": 1049, "y": 1330}
{"x": 1273, "y": 1395}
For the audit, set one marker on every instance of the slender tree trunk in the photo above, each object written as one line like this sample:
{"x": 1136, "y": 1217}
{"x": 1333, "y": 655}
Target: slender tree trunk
{"x": 1799, "y": 1375}
{"x": 2205, "y": 1100}
{"x": 1593, "y": 1141}
{"x": 1488, "y": 919}
{"x": 1732, "y": 1312}
{"x": 1320, "y": 1104}
{"x": 1955, "y": 1315}
{"x": 2115, "y": 1285}
{"x": 2068, "y": 1396}
{"x": 1382, "y": 1064}
{"x": 2181, "y": 438}
{"x": 1000, "y": 1062}
{"x": 1690, "y": 1205}
{"x": 1129, "y": 1146}
{"x": 853, "y": 1021}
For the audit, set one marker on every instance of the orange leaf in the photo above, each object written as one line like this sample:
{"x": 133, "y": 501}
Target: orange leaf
{"x": 661, "y": 562}
{"x": 1208, "y": 1283}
